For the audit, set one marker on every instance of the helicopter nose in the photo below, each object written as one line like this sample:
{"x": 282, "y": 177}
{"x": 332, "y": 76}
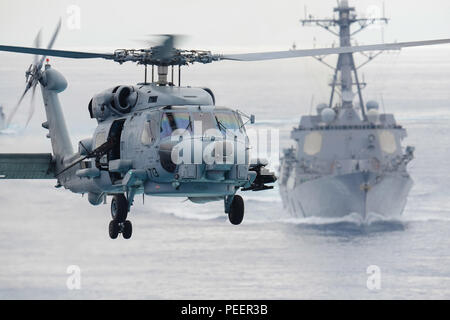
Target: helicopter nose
{"x": 213, "y": 160}
{"x": 218, "y": 160}
{"x": 219, "y": 152}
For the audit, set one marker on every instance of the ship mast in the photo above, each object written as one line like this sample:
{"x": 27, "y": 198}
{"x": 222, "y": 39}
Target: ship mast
{"x": 345, "y": 73}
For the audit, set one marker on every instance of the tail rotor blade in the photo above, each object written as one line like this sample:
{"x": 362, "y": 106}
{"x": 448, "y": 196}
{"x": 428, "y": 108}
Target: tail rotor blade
{"x": 37, "y": 44}
{"x": 33, "y": 75}
{"x": 51, "y": 43}
{"x": 55, "y": 35}
{"x": 32, "y": 105}
{"x": 16, "y": 108}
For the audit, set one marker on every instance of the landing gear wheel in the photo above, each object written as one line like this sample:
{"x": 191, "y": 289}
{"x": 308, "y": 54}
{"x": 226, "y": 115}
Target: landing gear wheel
{"x": 236, "y": 214}
{"x": 113, "y": 229}
{"x": 119, "y": 208}
{"x": 127, "y": 229}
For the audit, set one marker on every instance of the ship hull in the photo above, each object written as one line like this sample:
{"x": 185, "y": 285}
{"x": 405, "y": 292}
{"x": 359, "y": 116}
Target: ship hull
{"x": 341, "y": 195}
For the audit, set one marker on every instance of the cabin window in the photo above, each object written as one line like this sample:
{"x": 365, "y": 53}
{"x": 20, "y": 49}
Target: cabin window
{"x": 172, "y": 121}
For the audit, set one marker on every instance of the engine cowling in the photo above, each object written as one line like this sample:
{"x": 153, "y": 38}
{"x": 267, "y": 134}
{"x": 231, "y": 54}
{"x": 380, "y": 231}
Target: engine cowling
{"x": 119, "y": 100}
{"x": 124, "y": 99}
{"x": 100, "y": 106}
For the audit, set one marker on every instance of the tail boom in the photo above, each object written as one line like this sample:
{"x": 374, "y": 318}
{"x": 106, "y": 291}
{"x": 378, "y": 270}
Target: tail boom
{"x": 53, "y": 83}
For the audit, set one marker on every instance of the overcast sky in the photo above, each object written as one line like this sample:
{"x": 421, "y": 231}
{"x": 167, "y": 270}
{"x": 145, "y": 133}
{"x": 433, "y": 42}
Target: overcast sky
{"x": 211, "y": 24}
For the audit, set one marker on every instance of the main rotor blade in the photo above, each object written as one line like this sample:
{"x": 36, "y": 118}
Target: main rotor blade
{"x": 57, "y": 53}
{"x": 326, "y": 51}
{"x": 165, "y": 50}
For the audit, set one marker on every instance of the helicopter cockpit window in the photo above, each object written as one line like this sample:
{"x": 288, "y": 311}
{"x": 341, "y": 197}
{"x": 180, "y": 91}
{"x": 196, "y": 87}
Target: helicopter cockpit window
{"x": 227, "y": 121}
{"x": 206, "y": 119}
{"x": 241, "y": 122}
{"x": 172, "y": 121}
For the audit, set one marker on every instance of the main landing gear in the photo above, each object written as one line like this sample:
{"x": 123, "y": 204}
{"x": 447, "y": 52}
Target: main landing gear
{"x": 119, "y": 213}
{"x": 234, "y": 206}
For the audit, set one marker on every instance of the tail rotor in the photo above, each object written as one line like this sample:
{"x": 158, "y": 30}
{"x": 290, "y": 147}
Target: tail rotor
{"x": 33, "y": 75}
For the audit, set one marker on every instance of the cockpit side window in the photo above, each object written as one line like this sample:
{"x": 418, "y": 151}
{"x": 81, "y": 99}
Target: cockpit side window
{"x": 182, "y": 120}
{"x": 172, "y": 121}
{"x": 241, "y": 123}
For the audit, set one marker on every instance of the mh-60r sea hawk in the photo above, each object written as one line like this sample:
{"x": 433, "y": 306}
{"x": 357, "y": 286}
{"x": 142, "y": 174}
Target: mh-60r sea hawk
{"x": 133, "y": 150}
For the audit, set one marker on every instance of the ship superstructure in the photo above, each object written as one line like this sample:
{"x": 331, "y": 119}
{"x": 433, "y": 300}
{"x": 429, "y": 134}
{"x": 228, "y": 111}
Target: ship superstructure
{"x": 348, "y": 158}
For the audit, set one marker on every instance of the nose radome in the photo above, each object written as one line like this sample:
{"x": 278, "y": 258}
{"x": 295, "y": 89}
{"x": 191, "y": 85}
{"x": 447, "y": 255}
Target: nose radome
{"x": 219, "y": 152}
{"x": 212, "y": 152}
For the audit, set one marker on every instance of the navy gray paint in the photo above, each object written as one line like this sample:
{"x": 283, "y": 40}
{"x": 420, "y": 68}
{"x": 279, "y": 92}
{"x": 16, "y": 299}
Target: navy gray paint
{"x": 348, "y": 158}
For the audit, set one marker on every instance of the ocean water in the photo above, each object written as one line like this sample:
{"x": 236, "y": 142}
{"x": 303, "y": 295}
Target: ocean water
{"x": 181, "y": 250}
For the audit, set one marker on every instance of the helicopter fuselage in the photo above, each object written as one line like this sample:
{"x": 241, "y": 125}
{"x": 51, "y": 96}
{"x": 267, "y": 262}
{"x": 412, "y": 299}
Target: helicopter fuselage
{"x": 150, "y": 128}
{"x": 151, "y": 139}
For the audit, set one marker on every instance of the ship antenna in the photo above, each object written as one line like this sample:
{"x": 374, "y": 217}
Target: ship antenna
{"x": 346, "y": 72}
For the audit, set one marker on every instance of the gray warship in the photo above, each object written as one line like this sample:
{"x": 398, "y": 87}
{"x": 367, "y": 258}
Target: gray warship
{"x": 348, "y": 158}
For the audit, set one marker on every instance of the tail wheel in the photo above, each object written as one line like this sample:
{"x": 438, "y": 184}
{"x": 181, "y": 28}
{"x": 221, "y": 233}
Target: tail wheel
{"x": 127, "y": 229}
{"x": 113, "y": 229}
{"x": 119, "y": 208}
{"x": 236, "y": 214}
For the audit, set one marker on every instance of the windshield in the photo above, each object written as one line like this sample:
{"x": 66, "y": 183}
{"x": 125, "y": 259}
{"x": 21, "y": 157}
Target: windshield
{"x": 172, "y": 121}
{"x": 223, "y": 120}
{"x": 206, "y": 119}
{"x": 227, "y": 121}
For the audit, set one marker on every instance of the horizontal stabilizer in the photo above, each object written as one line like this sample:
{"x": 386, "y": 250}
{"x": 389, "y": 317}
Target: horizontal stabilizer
{"x": 26, "y": 166}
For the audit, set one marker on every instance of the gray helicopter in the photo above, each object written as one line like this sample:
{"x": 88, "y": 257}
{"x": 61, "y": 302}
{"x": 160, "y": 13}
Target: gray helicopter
{"x": 150, "y": 135}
